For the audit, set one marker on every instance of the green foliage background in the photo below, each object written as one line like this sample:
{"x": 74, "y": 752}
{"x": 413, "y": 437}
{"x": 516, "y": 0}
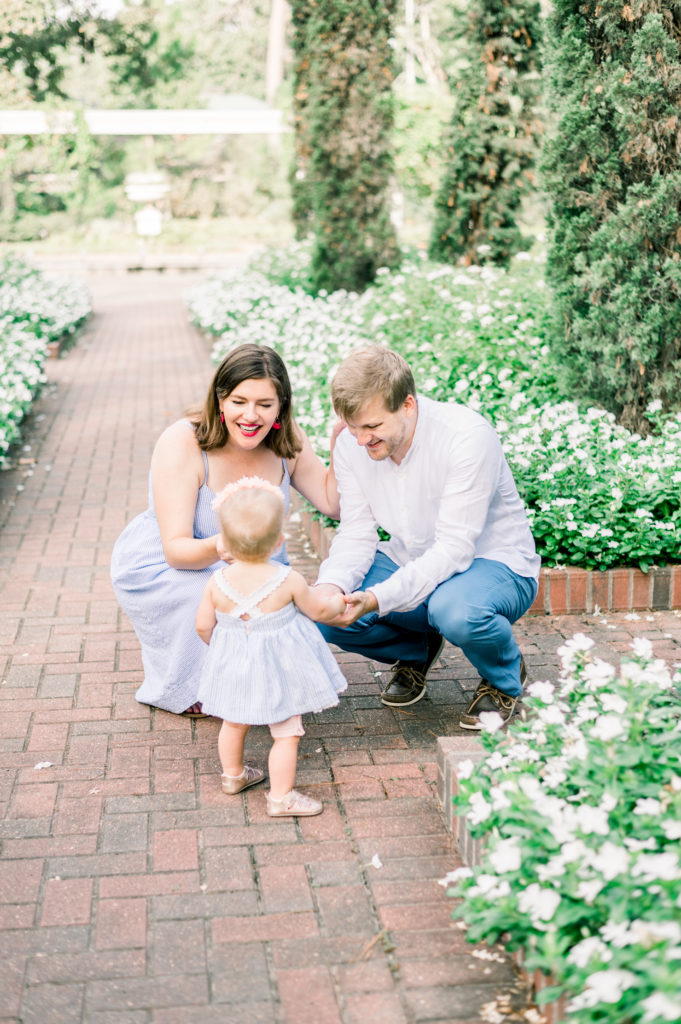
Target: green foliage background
{"x": 493, "y": 137}
{"x": 344, "y": 118}
{"x": 614, "y": 174}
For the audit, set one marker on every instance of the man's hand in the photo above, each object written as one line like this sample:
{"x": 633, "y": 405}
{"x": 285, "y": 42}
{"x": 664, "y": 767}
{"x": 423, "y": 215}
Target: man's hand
{"x": 357, "y": 605}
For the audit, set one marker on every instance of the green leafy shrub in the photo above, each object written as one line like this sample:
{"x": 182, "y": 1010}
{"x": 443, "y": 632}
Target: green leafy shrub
{"x": 580, "y": 807}
{"x": 597, "y": 494}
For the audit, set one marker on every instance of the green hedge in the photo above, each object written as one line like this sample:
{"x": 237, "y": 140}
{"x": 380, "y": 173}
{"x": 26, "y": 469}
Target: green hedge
{"x": 35, "y": 309}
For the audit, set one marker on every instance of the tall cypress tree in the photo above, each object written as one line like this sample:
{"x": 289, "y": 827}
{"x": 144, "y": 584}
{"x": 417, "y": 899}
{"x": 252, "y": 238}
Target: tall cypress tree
{"x": 614, "y": 174}
{"x": 493, "y": 136}
{"x": 344, "y": 116}
{"x": 300, "y": 179}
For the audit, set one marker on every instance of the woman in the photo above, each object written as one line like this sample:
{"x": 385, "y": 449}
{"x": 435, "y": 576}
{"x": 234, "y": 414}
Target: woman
{"x": 163, "y": 558}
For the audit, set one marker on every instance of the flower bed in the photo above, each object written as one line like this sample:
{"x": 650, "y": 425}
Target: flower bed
{"x": 597, "y": 495}
{"x": 35, "y": 312}
{"x": 579, "y": 806}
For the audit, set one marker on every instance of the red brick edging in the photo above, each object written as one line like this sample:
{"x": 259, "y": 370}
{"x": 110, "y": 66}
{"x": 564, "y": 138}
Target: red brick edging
{"x": 566, "y": 591}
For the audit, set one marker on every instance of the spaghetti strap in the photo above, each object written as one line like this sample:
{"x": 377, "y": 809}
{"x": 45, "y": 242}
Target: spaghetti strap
{"x": 205, "y": 466}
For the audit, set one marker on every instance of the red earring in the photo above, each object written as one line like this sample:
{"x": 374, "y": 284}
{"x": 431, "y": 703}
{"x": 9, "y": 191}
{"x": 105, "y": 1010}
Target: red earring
{"x": 222, "y": 417}
{"x": 276, "y": 425}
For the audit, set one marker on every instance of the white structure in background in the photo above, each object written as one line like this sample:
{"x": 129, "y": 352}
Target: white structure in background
{"x": 261, "y": 120}
{"x": 227, "y": 115}
{"x": 145, "y": 189}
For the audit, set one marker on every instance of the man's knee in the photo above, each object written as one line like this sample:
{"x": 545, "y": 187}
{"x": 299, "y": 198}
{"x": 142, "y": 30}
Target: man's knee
{"x": 457, "y": 621}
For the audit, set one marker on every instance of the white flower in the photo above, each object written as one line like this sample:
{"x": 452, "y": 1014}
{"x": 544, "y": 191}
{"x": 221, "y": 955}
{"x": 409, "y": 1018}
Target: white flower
{"x": 603, "y": 987}
{"x": 648, "y": 806}
{"x": 607, "y": 727}
{"x": 618, "y": 934}
{"x": 464, "y": 769}
{"x": 672, "y": 829}
{"x": 579, "y": 642}
{"x": 554, "y": 773}
{"x": 636, "y": 845}
{"x": 554, "y": 868}
{"x": 551, "y": 715}
{"x": 506, "y": 856}
{"x": 542, "y": 691}
{"x": 497, "y": 795}
{"x": 541, "y": 904}
{"x": 490, "y": 887}
{"x": 642, "y": 647}
{"x": 589, "y": 889}
{"x": 587, "y": 949}
{"x": 480, "y": 809}
{"x": 491, "y": 721}
{"x": 593, "y": 820}
{"x": 576, "y": 849}
{"x": 613, "y": 702}
{"x": 496, "y": 760}
{"x": 454, "y": 876}
{"x": 610, "y": 861}
{"x": 657, "y": 867}
{"x": 650, "y": 932}
{"x": 661, "y": 1006}
{"x": 530, "y": 786}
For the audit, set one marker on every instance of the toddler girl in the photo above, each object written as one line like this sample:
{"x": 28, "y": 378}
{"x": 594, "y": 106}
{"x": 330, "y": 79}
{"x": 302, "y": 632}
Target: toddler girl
{"x": 267, "y": 664}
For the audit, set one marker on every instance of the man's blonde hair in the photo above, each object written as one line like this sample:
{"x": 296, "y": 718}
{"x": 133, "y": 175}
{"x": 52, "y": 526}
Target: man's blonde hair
{"x": 368, "y": 372}
{"x": 251, "y": 521}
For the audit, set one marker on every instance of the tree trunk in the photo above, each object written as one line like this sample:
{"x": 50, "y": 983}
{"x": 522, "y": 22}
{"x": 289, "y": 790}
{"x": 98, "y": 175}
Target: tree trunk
{"x": 409, "y": 60}
{"x": 274, "y": 71}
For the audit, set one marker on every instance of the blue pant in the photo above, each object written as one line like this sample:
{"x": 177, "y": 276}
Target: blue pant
{"x": 473, "y": 610}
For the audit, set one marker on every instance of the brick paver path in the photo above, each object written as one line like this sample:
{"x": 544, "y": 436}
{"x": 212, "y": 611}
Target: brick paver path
{"x": 131, "y": 889}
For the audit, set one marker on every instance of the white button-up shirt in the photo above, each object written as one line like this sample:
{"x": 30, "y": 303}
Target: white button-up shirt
{"x": 451, "y": 499}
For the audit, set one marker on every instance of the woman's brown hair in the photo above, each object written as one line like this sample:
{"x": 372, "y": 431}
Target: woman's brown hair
{"x": 249, "y": 362}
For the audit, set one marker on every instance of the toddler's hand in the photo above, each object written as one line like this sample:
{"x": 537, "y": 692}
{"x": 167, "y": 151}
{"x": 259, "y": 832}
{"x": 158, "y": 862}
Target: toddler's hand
{"x": 223, "y": 553}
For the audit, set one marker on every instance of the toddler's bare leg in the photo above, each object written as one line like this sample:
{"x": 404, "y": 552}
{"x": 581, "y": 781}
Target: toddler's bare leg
{"x": 231, "y": 747}
{"x": 282, "y": 765}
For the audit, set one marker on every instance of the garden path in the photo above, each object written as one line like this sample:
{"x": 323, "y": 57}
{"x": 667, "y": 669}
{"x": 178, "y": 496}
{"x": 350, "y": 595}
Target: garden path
{"x": 131, "y": 889}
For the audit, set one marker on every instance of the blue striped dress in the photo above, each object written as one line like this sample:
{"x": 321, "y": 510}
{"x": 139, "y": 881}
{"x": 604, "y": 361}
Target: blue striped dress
{"x": 271, "y": 666}
{"x": 161, "y": 602}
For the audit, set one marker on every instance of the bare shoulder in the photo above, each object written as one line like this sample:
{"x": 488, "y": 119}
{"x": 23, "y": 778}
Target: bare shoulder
{"x": 296, "y": 579}
{"x": 177, "y": 443}
{"x": 179, "y": 434}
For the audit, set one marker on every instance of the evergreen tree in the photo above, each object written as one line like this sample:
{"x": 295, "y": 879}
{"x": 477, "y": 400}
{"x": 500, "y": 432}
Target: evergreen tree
{"x": 614, "y": 174}
{"x": 300, "y": 179}
{"x": 493, "y": 136}
{"x": 344, "y": 116}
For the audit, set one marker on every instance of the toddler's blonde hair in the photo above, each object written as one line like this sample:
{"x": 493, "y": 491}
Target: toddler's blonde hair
{"x": 251, "y": 515}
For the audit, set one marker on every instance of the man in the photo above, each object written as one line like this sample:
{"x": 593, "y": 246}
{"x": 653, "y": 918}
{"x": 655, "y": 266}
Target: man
{"x": 460, "y": 563}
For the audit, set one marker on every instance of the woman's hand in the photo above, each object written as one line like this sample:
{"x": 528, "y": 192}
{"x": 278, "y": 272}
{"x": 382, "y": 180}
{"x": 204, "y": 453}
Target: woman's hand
{"x": 338, "y": 427}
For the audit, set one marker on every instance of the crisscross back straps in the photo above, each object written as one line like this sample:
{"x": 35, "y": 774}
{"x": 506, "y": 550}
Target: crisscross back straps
{"x": 247, "y": 604}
